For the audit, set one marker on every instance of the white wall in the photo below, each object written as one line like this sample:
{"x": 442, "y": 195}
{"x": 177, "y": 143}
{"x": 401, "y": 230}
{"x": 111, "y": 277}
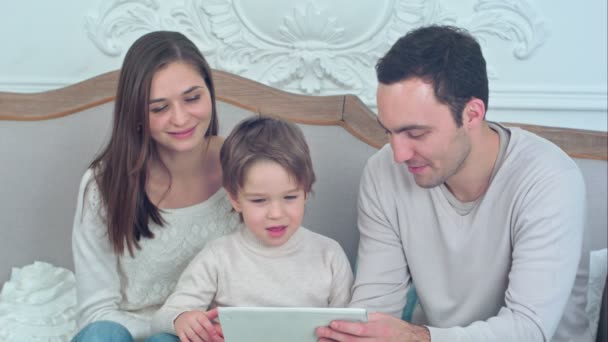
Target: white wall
{"x": 548, "y": 59}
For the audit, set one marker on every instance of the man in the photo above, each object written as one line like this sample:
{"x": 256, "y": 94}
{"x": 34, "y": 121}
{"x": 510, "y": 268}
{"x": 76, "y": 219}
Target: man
{"x": 485, "y": 221}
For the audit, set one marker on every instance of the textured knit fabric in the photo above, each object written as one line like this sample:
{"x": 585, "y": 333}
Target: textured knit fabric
{"x": 128, "y": 290}
{"x": 500, "y": 268}
{"x": 309, "y": 270}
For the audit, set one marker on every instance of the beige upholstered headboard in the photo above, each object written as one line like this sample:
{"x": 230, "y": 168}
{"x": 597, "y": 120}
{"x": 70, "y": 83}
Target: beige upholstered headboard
{"x": 48, "y": 139}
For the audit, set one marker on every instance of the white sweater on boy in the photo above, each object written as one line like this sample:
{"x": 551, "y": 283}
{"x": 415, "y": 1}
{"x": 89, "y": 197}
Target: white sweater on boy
{"x": 309, "y": 270}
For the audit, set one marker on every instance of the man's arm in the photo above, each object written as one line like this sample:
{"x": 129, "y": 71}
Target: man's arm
{"x": 547, "y": 240}
{"x": 382, "y": 276}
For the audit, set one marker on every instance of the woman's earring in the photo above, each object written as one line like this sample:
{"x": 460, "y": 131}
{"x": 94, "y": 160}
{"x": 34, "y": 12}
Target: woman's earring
{"x": 139, "y": 128}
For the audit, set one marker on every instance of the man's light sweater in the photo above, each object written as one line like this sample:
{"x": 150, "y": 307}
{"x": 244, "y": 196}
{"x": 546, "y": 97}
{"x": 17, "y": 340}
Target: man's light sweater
{"x": 309, "y": 270}
{"x": 501, "y": 268}
{"x": 128, "y": 290}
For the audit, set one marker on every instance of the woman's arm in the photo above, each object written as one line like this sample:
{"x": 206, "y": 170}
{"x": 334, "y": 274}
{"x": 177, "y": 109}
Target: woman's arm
{"x": 98, "y": 285}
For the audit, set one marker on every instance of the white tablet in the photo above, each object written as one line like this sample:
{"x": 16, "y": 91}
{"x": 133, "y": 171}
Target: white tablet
{"x": 266, "y": 324}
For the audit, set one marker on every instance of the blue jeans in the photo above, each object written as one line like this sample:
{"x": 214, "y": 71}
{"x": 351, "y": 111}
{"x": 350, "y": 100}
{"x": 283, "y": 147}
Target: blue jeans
{"x": 103, "y": 331}
{"x": 108, "y": 331}
{"x": 163, "y": 337}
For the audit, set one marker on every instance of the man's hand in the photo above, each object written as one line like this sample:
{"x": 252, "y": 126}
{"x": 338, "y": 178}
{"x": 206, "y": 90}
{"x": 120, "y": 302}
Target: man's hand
{"x": 379, "y": 327}
{"x": 197, "y": 326}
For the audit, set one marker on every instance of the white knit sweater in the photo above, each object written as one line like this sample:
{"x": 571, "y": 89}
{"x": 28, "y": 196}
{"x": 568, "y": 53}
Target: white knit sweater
{"x": 126, "y": 289}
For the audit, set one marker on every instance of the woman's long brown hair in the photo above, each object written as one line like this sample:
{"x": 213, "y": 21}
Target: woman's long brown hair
{"x": 121, "y": 168}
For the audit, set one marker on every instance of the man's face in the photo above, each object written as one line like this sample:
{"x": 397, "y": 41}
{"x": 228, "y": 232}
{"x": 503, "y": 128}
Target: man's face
{"x": 422, "y": 131}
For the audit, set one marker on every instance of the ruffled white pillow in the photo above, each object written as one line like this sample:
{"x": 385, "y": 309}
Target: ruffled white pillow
{"x": 38, "y": 303}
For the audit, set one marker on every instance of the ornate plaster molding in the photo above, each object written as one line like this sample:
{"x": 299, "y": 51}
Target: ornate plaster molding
{"x": 511, "y": 20}
{"x": 311, "y": 51}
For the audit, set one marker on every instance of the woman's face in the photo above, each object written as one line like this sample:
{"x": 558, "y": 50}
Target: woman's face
{"x": 179, "y": 109}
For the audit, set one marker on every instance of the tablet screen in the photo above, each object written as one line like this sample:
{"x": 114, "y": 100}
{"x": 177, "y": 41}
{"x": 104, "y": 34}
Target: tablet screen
{"x": 266, "y": 324}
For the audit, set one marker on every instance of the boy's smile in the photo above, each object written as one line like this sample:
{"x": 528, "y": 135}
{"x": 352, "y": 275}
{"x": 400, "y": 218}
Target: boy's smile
{"x": 277, "y": 231}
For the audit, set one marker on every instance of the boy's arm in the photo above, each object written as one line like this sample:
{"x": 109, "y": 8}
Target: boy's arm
{"x": 342, "y": 279}
{"x": 196, "y": 288}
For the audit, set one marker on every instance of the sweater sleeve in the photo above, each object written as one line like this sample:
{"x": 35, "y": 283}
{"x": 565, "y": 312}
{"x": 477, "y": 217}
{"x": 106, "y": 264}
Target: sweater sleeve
{"x": 195, "y": 290}
{"x": 382, "y": 276}
{"x": 342, "y": 279}
{"x": 98, "y": 286}
{"x": 547, "y": 240}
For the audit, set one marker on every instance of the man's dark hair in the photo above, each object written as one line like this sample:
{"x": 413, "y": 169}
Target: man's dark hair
{"x": 448, "y": 57}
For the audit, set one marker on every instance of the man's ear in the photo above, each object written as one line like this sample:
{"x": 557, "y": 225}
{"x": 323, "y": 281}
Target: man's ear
{"x": 235, "y": 202}
{"x": 474, "y": 113}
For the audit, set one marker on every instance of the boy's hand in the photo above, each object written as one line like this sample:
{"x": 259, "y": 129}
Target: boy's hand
{"x": 197, "y": 326}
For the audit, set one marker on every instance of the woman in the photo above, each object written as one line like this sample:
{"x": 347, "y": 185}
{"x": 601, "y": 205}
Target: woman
{"x": 153, "y": 197}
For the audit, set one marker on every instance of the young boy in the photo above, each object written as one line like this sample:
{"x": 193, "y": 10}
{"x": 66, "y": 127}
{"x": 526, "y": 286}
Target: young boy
{"x": 272, "y": 260}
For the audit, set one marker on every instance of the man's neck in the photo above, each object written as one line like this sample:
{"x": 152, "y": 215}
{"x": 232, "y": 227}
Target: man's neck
{"x": 472, "y": 181}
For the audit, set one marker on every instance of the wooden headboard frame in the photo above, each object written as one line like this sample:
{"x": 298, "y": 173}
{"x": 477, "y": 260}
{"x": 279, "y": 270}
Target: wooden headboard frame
{"x": 346, "y": 111}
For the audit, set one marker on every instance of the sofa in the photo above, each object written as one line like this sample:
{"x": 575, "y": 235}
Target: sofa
{"x": 47, "y": 141}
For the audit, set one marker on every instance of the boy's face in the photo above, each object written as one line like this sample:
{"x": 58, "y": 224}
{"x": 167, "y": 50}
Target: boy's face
{"x": 271, "y": 202}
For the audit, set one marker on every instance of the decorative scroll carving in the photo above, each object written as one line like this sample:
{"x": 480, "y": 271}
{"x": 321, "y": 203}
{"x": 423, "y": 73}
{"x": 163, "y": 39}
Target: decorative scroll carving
{"x": 510, "y": 20}
{"x": 311, "y": 51}
{"x": 117, "y": 18}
